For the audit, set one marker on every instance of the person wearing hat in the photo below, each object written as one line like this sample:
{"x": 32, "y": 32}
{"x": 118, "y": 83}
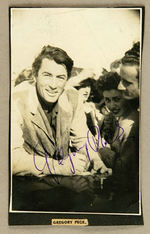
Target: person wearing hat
{"x": 85, "y": 82}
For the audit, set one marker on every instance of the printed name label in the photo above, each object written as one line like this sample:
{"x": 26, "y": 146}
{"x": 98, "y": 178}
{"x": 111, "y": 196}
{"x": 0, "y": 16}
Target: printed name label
{"x": 79, "y": 222}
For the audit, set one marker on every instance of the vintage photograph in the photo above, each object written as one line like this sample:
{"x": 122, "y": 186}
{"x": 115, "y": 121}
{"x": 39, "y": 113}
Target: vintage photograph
{"x": 75, "y": 78}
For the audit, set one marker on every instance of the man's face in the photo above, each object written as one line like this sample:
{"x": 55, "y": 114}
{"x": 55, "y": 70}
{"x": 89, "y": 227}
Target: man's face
{"x": 129, "y": 83}
{"x": 114, "y": 101}
{"x": 51, "y": 80}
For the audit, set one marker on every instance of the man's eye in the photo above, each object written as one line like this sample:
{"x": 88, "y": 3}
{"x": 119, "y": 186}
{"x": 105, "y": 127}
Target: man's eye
{"x": 61, "y": 77}
{"x": 47, "y": 74}
{"x": 125, "y": 83}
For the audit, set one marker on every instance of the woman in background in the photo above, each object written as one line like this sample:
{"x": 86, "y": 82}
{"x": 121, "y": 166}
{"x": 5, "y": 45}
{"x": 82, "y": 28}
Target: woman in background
{"x": 85, "y": 83}
{"x": 120, "y": 130}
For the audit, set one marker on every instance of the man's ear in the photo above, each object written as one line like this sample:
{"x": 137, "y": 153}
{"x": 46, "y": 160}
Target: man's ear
{"x": 34, "y": 78}
{"x": 138, "y": 74}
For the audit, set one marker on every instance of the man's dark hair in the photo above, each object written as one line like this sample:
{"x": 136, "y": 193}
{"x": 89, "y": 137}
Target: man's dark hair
{"x": 132, "y": 56}
{"x": 108, "y": 81}
{"x": 52, "y": 53}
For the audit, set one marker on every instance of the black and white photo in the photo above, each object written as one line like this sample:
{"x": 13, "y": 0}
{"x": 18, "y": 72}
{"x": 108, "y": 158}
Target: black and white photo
{"x": 75, "y": 82}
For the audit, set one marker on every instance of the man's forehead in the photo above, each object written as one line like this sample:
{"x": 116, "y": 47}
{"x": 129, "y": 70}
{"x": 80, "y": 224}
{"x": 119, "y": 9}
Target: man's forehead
{"x": 50, "y": 65}
{"x": 130, "y": 70}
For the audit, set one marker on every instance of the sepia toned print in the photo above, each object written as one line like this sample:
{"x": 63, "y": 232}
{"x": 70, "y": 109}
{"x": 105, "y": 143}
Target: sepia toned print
{"x": 75, "y": 90}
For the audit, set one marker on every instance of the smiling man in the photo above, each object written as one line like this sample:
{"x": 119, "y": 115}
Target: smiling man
{"x": 129, "y": 72}
{"x": 48, "y": 122}
{"x": 50, "y": 81}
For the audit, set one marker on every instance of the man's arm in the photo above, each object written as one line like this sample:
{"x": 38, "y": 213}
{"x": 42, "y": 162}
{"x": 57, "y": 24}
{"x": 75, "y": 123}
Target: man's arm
{"x": 23, "y": 163}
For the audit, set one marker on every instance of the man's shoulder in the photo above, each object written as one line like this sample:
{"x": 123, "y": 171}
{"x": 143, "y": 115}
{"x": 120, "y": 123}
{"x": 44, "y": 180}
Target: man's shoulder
{"x": 71, "y": 91}
{"x": 24, "y": 97}
{"x": 69, "y": 98}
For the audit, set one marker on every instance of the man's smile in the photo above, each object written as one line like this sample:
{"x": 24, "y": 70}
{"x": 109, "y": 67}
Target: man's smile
{"x": 51, "y": 92}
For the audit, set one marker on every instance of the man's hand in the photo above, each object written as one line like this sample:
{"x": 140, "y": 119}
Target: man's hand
{"x": 99, "y": 165}
{"x": 105, "y": 170}
{"x": 78, "y": 164}
{"x": 73, "y": 164}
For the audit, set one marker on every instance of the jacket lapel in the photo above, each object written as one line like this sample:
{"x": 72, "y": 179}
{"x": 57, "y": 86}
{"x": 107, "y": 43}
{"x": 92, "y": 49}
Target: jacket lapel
{"x": 38, "y": 116}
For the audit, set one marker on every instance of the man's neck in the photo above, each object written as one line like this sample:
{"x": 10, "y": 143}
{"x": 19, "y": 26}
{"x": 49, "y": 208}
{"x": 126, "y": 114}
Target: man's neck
{"x": 45, "y": 105}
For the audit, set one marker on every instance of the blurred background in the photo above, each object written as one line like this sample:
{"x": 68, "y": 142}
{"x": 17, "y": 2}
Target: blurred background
{"x": 93, "y": 37}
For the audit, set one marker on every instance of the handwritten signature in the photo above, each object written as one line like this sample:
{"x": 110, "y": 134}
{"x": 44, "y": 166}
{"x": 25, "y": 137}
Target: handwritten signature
{"x": 95, "y": 142}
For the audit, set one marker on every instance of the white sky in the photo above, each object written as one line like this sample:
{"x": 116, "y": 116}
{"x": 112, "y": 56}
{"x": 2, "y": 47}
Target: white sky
{"x": 93, "y": 37}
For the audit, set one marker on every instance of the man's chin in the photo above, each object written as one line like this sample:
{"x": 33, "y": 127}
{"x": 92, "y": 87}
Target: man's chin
{"x": 52, "y": 100}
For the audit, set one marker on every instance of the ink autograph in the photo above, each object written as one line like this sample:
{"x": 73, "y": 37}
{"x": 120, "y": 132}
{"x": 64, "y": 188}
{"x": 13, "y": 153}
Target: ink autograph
{"x": 96, "y": 144}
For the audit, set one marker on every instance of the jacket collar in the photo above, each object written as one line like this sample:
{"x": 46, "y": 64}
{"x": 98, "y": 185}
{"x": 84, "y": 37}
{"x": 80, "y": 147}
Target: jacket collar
{"x": 37, "y": 113}
{"x": 33, "y": 101}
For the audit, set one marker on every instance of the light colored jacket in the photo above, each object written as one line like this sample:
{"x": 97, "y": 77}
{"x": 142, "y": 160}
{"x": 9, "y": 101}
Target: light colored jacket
{"x": 30, "y": 129}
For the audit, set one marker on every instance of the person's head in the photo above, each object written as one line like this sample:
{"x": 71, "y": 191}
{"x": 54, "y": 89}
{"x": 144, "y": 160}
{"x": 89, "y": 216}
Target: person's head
{"x": 129, "y": 72}
{"x": 25, "y": 75}
{"x": 114, "y": 101}
{"x": 84, "y": 88}
{"x": 51, "y": 69}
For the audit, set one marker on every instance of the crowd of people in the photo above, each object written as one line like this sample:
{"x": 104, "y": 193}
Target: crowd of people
{"x": 66, "y": 122}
